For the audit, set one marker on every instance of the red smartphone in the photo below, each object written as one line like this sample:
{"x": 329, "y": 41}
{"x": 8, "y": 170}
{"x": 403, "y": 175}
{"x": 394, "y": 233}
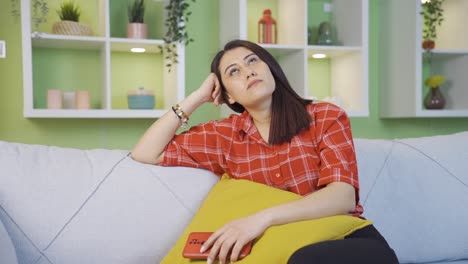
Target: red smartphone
{"x": 195, "y": 241}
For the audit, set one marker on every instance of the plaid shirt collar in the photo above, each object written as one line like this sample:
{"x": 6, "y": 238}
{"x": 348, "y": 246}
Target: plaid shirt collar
{"x": 245, "y": 125}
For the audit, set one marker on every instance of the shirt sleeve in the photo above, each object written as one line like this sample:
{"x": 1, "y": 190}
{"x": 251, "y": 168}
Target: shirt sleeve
{"x": 199, "y": 147}
{"x": 336, "y": 148}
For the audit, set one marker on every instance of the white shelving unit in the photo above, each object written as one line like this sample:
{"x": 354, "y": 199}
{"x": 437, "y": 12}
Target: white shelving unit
{"x": 106, "y": 49}
{"x": 402, "y": 89}
{"x": 346, "y": 65}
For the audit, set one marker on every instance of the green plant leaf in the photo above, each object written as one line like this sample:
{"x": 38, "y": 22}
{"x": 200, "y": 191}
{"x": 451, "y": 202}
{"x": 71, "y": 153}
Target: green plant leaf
{"x": 69, "y": 10}
{"x": 136, "y": 11}
{"x": 177, "y": 17}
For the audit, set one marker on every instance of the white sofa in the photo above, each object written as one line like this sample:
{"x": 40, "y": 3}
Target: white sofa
{"x": 61, "y": 205}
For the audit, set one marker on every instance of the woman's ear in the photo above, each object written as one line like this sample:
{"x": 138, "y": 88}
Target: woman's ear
{"x": 230, "y": 99}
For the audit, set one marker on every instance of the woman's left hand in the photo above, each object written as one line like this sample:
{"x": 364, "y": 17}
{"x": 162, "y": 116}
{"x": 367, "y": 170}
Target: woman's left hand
{"x": 234, "y": 235}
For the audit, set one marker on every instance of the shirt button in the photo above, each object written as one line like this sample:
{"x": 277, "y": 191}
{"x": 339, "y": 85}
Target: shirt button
{"x": 277, "y": 175}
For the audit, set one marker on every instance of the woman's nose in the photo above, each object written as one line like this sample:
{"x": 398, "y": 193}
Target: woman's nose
{"x": 251, "y": 74}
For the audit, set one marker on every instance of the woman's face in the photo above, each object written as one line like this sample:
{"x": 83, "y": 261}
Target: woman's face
{"x": 248, "y": 80}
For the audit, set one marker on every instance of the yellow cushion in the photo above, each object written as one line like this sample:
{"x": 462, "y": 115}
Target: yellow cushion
{"x": 230, "y": 199}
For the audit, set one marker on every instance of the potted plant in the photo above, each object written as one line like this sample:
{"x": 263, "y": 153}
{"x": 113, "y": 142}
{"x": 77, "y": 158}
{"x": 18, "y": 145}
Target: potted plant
{"x": 177, "y": 16}
{"x": 136, "y": 27}
{"x": 434, "y": 99}
{"x": 432, "y": 13}
{"x": 69, "y": 13}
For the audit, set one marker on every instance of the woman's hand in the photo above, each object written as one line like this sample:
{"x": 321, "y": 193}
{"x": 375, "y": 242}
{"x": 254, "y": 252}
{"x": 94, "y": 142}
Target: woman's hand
{"x": 210, "y": 90}
{"x": 234, "y": 235}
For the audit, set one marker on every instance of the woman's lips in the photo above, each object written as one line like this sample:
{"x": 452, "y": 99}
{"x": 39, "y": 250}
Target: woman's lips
{"x": 252, "y": 83}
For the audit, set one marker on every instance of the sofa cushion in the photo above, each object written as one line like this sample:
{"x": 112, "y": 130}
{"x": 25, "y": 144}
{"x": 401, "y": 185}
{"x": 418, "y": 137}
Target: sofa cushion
{"x": 137, "y": 201}
{"x": 231, "y": 199}
{"x": 418, "y": 196}
{"x": 94, "y": 206}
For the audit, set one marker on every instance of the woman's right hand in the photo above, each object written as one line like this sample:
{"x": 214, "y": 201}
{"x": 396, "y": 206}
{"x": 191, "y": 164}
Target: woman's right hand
{"x": 210, "y": 90}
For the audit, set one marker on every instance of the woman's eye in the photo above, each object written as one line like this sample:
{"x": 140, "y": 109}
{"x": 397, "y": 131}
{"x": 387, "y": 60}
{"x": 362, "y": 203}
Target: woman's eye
{"x": 233, "y": 71}
{"x": 252, "y": 60}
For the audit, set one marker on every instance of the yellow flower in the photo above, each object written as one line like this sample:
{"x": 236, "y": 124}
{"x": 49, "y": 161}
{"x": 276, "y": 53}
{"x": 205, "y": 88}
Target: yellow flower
{"x": 435, "y": 80}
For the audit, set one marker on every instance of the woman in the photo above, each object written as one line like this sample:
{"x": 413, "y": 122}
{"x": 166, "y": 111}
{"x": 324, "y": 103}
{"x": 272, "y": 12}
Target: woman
{"x": 281, "y": 140}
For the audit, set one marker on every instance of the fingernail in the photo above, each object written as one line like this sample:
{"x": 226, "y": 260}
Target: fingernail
{"x": 209, "y": 261}
{"x": 202, "y": 249}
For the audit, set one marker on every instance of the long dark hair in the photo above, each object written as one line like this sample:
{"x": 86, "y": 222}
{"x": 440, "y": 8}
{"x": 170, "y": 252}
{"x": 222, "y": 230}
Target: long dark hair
{"x": 288, "y": 111}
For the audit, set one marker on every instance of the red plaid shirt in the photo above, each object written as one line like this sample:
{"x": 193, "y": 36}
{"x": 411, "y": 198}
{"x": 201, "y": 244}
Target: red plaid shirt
{"x": 313, "y": 159}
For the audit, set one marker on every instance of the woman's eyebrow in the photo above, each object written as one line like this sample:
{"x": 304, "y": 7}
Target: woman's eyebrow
{"x": 246, "y": 57}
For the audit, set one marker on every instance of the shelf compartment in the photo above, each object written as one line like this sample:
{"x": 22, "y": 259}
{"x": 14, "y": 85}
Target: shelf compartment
{"x": 290, "y": 31}
{"x": 67, "y": 70}
{"x": 340, "y": 77}
{"x": 132, "y": 70}
{"x": 450, "y": 33}
{"x": 453, "y": 66}
{"x": 154, "y": 18}
{"x": 92, "y": 14}
{"x": 345, "y": 18}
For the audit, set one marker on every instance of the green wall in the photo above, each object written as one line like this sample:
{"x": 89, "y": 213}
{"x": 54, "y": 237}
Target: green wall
{"x": 123, "y": 133}
{"x": 373, "y": 126}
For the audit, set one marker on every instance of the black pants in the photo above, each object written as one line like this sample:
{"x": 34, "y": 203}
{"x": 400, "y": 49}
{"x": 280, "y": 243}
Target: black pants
{"x": 363, "y": 246}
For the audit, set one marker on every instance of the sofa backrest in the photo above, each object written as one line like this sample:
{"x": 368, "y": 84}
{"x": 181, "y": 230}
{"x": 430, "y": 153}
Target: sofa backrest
{"x": 416, "y": 192}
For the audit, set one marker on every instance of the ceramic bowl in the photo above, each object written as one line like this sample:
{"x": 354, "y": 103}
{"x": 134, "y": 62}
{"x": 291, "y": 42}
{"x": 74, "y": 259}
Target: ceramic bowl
{"x": 140, "y": 99}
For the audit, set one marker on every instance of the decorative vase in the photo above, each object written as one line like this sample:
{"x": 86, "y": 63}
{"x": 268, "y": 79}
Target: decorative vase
{"x": 325, "y": 34}
{"x": 434, "y": 99}
{"x": 267, "y": 32}
{"x": 66, "y": 27}
{"x": 137, "y": 31}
